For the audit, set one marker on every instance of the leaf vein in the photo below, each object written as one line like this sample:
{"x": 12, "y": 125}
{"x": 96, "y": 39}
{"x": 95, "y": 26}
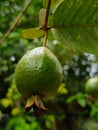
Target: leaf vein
{"x": 84, "y": 14}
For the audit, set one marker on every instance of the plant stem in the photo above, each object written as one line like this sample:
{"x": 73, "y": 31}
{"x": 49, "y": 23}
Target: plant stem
{"x": 45, "y": 27}
{"x": 45, "y": 38}
{"x": 47, "y": 14}
{"x": 15, "y": 23}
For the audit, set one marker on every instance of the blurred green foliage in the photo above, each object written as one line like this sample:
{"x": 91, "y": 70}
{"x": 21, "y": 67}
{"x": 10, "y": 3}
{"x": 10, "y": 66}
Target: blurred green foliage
{"x": 71, "y": 107}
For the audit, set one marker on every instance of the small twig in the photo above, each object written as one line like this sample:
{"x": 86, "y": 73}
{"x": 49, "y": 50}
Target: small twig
{"x": 15, "y": 23}
{"x": 47, "y": 14}
{"x": 45, "y": 38}
{"x": 46, "y": 23}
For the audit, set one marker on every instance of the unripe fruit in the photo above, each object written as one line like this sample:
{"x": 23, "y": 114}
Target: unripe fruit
{"x": 91, "y": 86}
{"x": 38, "y": 73}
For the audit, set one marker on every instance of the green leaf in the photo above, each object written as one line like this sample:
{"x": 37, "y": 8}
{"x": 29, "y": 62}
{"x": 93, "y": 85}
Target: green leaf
{"x": 75, "y": 24}
{"x": 71, "y": 99}
{"x": 82, "y": 102}
{"x": 32, "y": 33}
{"x": 15, "y": 111}
{"x": 94, "y": 111}
{"x": 62, "y": 89}
{"x": 6, "y": 102}
{"x": 81, "y": 99}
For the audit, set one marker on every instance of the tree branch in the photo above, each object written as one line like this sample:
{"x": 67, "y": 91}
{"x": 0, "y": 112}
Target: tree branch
{"x": 15, "y": 23}
{"x": 46, "y": 23}
{"x": 47, "y": 14}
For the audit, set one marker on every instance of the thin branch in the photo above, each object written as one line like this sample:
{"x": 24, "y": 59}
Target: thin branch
{"x": 15, "y": 23}
{"x": 47, "y": 14}
{"x": 46, "y": 23}
{"x": 45, "y": 38}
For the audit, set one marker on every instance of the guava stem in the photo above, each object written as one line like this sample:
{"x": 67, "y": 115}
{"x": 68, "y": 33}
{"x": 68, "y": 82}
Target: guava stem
{"x": 45, "y": 38}
{"x": 45, "y": 27}
{"x": 47, "y": 14}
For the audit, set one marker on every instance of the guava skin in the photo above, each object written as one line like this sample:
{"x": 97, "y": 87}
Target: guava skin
{"x": 38, "y": 73}
{"x": 91, "y": 86}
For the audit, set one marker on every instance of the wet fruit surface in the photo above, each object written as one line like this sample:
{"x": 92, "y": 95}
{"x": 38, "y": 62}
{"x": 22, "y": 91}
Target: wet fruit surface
{"x": 38, "y": 73}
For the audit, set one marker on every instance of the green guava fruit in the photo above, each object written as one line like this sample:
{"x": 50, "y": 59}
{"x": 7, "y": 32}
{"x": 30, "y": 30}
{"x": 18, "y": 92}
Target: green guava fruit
{"x": 38, "y": 73}
{"x": 91, "y": 86}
